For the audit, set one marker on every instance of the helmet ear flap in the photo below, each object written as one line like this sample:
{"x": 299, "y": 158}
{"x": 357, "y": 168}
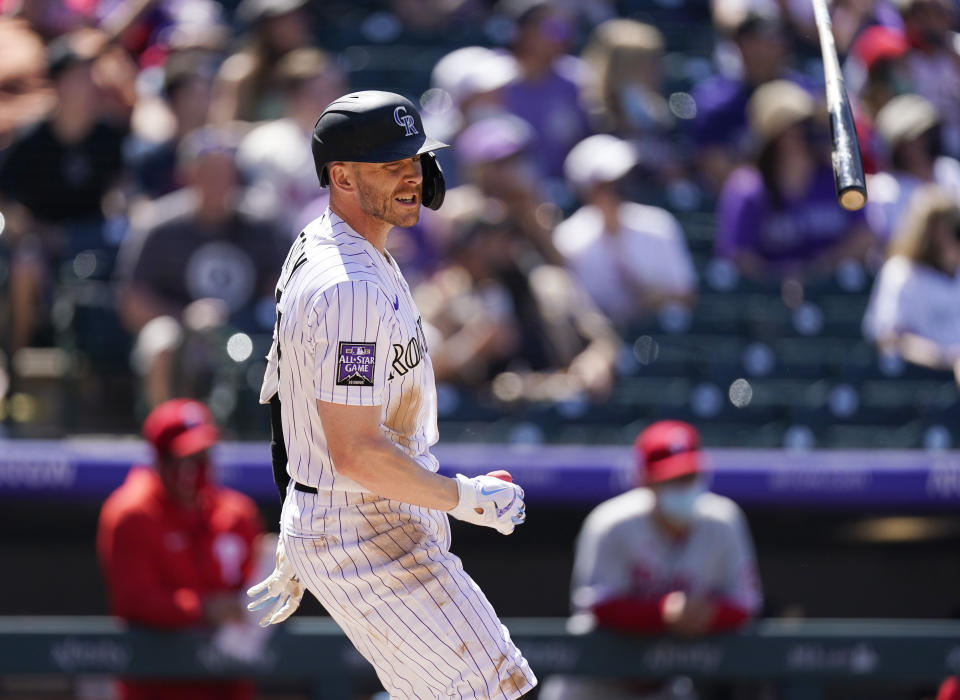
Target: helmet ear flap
{"x": 434, "y": 187}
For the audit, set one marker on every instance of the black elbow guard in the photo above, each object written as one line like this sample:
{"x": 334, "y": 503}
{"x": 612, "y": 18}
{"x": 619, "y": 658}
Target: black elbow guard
{"x": 278, "y": 449}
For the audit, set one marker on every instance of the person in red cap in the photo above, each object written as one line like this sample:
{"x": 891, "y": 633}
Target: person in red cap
{"x": 176, "y": 549}
{"x": 878, "y": 73}
{"x": 667, "y": 557}
{"x": 950, "y": 689}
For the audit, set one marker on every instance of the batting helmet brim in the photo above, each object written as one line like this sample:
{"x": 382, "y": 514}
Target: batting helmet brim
{"x": 388, "y": 155}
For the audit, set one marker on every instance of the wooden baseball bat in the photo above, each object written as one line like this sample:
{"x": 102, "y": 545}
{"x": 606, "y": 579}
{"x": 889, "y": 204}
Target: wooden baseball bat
{"x": 847, "y": 163}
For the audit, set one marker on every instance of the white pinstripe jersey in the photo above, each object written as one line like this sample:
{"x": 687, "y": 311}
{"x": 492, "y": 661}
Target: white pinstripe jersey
{"x": 349, "y": 333}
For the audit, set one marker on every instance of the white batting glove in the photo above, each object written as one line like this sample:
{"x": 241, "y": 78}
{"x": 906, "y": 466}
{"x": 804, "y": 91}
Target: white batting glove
{"x": 489, "y": 501}
{"x": 281, "y": 590}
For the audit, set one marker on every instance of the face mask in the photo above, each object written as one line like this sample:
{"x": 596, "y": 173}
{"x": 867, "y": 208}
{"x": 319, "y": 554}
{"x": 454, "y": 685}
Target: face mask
{"x": 677, "y": 503}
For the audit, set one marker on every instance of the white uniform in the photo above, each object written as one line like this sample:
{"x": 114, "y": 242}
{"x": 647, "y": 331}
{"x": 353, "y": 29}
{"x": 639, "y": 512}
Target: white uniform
{"x": 910, "y": 297}
{"x": 647, "y": 253}
{"x": 621, "y": 551}
{"x": 350, "y": 333}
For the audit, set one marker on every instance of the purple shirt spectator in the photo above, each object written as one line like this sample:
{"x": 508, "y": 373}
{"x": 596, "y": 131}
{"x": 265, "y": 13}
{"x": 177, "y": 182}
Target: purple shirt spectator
{"x": 721, "y": 112}
{"x": 796, "y": 232}
{"x": 552, "y": 107}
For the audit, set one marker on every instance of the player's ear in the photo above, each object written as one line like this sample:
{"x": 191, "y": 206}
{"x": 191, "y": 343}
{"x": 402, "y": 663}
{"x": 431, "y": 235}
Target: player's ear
{"x": 341, "y": 176}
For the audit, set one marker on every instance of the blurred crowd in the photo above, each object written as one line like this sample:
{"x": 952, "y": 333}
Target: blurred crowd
{"x": 155, "y": 166}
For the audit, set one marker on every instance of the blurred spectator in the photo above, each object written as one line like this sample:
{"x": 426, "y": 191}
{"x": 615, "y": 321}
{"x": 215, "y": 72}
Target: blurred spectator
{"x": 175, "y": 548}
{"x": 496, "y": 313}
{"x": 472, "y": 326}
{"x": 666, "y": 557}
{"x": 430, "y": 18}
{"x": 875, "y": 74}
{"x": 547, "y": 93}
{"x": 496, "y": 156}
{"x": 55, "y": 177}
{"x": 150, "y": 29}
{"x": 625, "y": 97}
{"x": 467, "y": 85}
{"x": 631, "y": 258}
{"x": 909, "y": 128}
{"x": 950, "y": 690}
{"x": 197, "y": 261}
{"x": 187, "y": 80}
{"x": 473, "y": 78}
{"x": 848, "y": 19}
{"x": 24, "y": 94}
{"x": 54, "y": 18}
{"x": 780, "y": 216}
{"x": 720, "y": 129}
{"x": 623, "y": 92}
{"x": 534, "y": 329}
{"x": 276, "y": 156}
{"x": 934, "y": 60}
{"x": 914, "y": 309}
{"x": 245, "y": 89}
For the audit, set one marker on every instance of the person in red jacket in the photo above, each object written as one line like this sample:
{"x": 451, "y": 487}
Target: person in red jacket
{"x": 668, "y": 557}
{"x": 175, "y": 548}
{"x": 950, "y": 690}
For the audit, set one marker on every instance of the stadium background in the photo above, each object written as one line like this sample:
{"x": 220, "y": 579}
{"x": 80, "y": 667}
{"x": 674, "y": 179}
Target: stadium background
{"x": 779, "y": 365}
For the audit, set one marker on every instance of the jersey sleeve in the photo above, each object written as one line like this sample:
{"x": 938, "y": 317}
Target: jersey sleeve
{"x": 601, "y": 569}
{"x": 353, "y": 332}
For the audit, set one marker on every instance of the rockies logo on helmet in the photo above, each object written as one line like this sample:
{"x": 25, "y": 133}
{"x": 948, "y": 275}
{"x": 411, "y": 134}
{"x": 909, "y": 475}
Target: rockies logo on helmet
{"x": 405, "y": 120}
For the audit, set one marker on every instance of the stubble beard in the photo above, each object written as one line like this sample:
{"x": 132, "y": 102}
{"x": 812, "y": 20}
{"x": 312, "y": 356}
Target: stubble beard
{"x": 372, "y": 203}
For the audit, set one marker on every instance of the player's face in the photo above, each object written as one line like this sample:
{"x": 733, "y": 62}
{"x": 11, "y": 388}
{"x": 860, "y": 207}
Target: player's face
{"x": 184, "y": 477}
{"x": 390, "y": 192}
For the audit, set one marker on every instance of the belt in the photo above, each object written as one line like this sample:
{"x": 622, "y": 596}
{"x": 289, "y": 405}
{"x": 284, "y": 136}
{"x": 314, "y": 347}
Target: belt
{"x": 305, "y": 489}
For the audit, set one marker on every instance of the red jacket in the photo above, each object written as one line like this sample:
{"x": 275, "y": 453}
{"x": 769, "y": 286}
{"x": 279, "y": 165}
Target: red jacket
{"x": 161, "y": 560}
{"x": 950, "y": 690}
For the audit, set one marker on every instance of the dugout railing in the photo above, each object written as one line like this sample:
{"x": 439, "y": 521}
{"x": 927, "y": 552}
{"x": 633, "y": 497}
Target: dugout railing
{"x": 801, "y": 656}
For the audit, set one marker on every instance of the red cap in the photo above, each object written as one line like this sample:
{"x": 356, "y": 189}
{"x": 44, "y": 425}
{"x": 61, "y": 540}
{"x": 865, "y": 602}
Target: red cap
{"x": 877, "y": 43}
{"x": 666, "y": 450}
{"x": 180, "y": 428}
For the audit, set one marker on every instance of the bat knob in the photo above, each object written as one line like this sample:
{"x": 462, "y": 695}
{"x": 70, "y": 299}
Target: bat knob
{"x": 853, "y": 199}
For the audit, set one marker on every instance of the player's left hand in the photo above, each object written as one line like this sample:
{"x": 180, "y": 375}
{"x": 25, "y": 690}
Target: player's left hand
{"x": 281, "y": 590}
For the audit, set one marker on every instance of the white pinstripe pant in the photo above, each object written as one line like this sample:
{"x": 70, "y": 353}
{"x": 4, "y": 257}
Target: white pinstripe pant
{"x": 384, "y": 572}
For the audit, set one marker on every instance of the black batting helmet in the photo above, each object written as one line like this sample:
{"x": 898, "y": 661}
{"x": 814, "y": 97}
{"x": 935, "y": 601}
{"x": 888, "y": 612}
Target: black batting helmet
{"x": 373, "y": 126}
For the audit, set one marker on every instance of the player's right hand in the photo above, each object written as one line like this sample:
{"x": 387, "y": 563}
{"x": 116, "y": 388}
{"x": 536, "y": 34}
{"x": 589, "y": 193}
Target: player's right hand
{"x": 489, "y": 501}
{"x": 281, "y": 590}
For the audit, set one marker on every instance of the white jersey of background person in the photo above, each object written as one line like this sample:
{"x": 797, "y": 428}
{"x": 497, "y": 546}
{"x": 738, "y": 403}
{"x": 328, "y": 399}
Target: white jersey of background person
{"x": 350, "y": 333}
{"x": 621, "y": 550}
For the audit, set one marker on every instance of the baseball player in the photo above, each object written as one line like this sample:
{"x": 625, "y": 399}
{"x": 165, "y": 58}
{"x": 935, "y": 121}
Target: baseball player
{"x": 176, "y": 548}
{"x": 667, "y": 557}
{"x": 364, "y": 521}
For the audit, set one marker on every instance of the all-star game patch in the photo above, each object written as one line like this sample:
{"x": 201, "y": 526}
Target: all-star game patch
{"x": 355, "y": 364}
